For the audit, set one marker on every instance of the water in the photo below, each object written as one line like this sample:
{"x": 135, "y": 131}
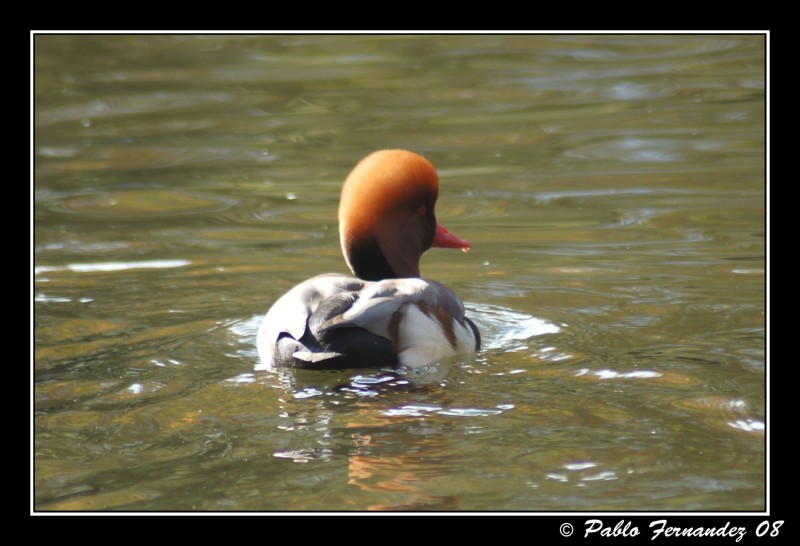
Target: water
{"x": 612, "y": 187}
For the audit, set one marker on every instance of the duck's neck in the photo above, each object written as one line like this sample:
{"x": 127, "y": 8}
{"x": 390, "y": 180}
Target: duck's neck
{"x": 369, "y": 263}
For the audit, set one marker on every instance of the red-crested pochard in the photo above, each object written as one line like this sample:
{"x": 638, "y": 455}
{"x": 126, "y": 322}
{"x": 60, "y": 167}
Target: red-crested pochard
{"x": 386, "y": 315}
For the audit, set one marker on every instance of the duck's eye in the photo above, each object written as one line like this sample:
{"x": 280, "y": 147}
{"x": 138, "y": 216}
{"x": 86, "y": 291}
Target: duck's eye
{"x": 422, "y": 210}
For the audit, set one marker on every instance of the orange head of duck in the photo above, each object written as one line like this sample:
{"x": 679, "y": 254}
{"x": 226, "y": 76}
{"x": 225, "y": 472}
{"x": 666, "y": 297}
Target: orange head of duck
{"x": 387, "y": 218}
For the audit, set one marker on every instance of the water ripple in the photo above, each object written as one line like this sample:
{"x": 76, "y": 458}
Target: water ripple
{"x": 137, "y": 203}
{"x": 508, "y": 329}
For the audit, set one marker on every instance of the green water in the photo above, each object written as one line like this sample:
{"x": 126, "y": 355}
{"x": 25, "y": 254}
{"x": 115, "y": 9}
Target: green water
{"x": 613, "y": 190}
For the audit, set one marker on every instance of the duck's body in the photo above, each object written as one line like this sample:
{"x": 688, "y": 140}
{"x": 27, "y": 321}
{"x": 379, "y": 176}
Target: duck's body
{"x": 386, "y": 315}
{"x": 337, "y": 321}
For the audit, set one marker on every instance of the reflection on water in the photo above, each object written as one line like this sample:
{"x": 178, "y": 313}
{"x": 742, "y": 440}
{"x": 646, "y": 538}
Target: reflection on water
{"x": 112, "y": 266}
{"x": 612, "y": 188}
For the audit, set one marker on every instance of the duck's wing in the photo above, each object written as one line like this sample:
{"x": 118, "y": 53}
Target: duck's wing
{"x": 374, "y": 306}
{"x": 289, "y": 316}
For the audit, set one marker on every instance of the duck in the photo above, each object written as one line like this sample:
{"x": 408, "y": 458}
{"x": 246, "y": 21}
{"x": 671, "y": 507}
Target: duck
{"x": 385, "y": 314}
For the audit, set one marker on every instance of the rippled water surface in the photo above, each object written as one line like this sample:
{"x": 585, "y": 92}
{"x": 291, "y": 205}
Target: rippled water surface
{"x": 612, "y": 187}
